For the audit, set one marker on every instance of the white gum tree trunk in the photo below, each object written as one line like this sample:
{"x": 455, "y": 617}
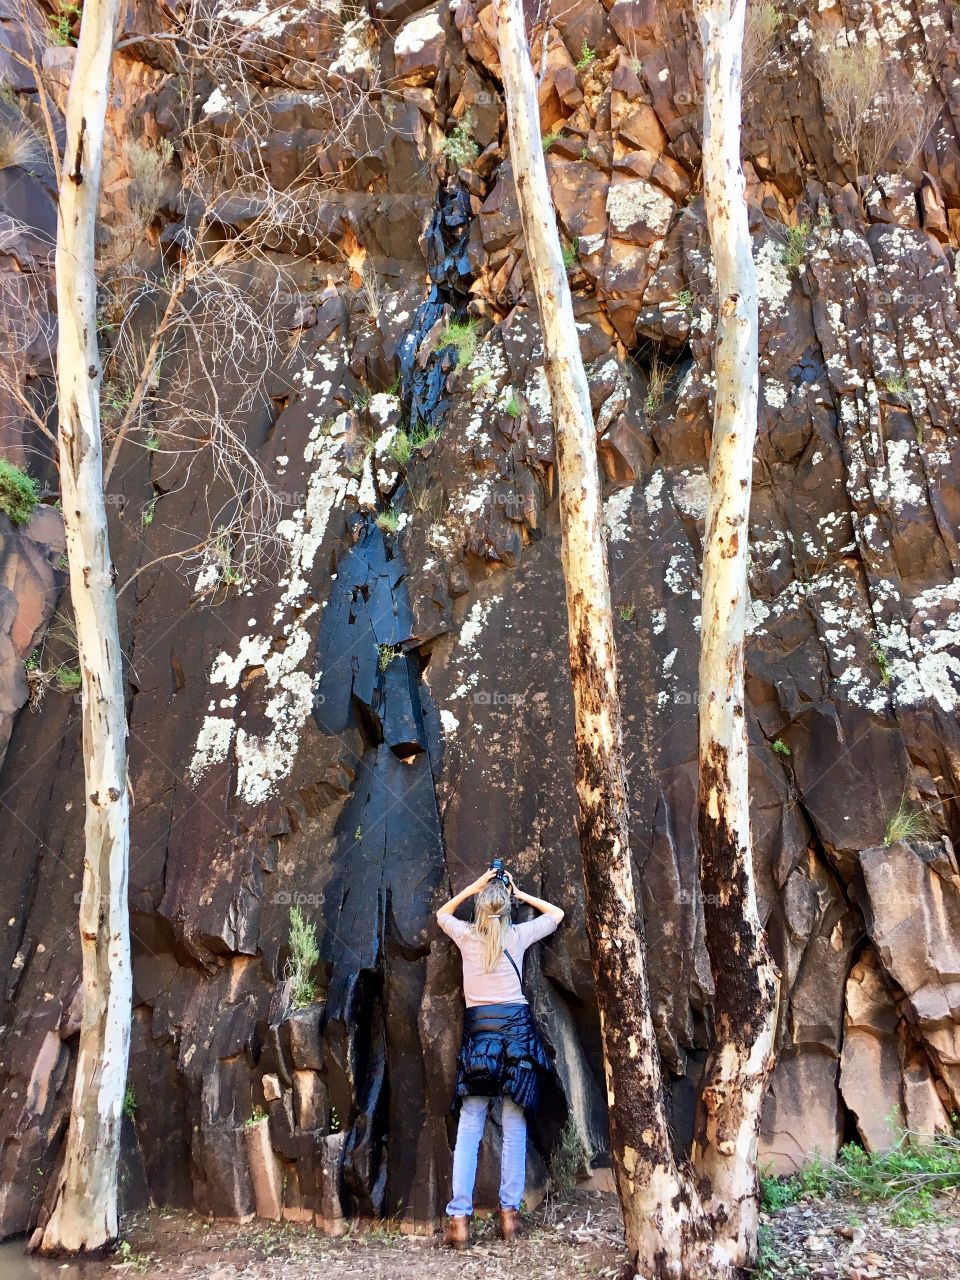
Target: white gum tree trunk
{"x": 84, "y": 1210}
{"x": 656, "y": 1200}
{"x": 746, "y": 980}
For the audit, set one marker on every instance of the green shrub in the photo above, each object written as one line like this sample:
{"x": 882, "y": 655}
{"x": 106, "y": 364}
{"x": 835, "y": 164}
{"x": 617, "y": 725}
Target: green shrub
{"x": 129, "y": 1102}
{"x": 794, "y": 251}
{"x": 779, "y": 747}
{"x": 385, "y": 655}
{"x": 19, "y": 492}
{"x": 459, "y": 145}
{"x": 304, "y": 954}
{"x": 587, "y": 57}
{"x": 569, "y": 1159}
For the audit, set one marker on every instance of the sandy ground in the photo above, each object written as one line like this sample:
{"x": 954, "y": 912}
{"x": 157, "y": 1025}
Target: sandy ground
{"x": 580, "y": 1235}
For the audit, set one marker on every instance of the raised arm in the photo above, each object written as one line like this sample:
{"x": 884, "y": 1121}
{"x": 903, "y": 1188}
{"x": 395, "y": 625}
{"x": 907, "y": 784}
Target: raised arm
{"x": 541, "y": 904}
{"x": 481, "y": 882}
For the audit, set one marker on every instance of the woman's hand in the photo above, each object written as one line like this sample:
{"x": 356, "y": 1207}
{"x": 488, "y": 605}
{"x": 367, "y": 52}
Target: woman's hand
{"x": 481, "y": 882}
{"x": 511, "y": 883}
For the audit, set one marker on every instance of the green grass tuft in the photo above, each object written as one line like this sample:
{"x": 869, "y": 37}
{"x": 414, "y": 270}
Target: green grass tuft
{"x": 908, "y": 823}
{"x": 400, "y": 448}
{"x": 388, "y": 521}
{"x": 19, "y": 492}
{"x": 463, "y": 337}
{"x": 909, "y": 1176}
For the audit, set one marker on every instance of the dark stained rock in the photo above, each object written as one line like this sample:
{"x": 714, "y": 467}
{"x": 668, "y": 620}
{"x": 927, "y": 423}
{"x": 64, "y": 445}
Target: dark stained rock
{"x": 356, "y": 728}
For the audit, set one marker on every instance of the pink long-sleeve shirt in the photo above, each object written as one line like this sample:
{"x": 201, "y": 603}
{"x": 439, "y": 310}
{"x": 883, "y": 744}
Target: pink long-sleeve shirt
{"x": 501, "y": 985}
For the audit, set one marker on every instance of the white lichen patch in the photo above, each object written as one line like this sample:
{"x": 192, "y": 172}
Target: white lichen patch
{"x": 616, "y": 514}
{"x": 773, "y": 278}
{"x": 691, "y": 489}
{"x": 418, "y": 32}
{"x": 217, "y": 102}
{"x": 537, "y": 394}
{"x": 905, "y": 476}
{"x": 265, "y": 757}
{"x": 638, "y": 201}
{"x": 466, "y": 657}
{"x": 356, "y": 50}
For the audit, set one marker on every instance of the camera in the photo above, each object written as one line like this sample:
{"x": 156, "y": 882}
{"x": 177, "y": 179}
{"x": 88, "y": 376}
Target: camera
{"x": 497, "y": 866}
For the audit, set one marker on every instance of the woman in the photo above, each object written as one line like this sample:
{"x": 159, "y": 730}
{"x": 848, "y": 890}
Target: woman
{"x": 501, "y": 1050}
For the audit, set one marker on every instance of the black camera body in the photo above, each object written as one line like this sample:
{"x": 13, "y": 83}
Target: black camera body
{"x": 501, "y": 874}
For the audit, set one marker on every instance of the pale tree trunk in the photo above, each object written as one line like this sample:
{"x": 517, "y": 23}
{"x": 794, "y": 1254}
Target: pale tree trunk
{"x": 84, "y": 1211}
{"x": 745, "y": 978}
{"x": 656, "y": 1199}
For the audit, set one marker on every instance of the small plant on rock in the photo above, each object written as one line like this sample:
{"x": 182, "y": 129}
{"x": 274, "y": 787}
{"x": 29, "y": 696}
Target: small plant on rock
{"x": 386, "y": 653}
{"x": 685, "y": 299}
{"x": 587, "y": 57}
{"x": 627, "y": 611}
{"x": 256, "y": 1115}
{"x": 62, "y": 22}
{"x": 304, "y": 954}
{"x": 571, "y": 255}
{"x": 548, "y": 140}
{"x": 794, "y": 251}
{"x": 129, "y": 1102}
{"x": 512, "y": 407}
{"x": 67, "y": 679}
{"x": 779, "y": 747}
{"x": 19, "y": 492}
{"x": 459, "y": 146}
{"x": 883, "y": 662}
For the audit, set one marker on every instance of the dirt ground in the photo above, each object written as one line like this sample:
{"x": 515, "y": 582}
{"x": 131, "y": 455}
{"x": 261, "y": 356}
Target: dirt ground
{"x": 580, "y": 1235}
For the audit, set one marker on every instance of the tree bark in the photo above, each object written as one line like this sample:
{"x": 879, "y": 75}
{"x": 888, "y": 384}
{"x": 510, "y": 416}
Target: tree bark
{"x": 84, "y": 1210}
{"x": 656, "y": 1197}
{"x": 745, "y": 977}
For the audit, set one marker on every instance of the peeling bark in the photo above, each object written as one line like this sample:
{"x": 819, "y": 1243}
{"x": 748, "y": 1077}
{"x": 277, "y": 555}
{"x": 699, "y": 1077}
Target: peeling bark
{"x": 84, "y": 1209}
{"x": 745, "y": 977}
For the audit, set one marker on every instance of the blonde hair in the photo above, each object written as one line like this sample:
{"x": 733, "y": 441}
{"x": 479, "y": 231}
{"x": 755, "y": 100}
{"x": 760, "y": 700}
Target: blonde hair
{"x": 491, "y": 920}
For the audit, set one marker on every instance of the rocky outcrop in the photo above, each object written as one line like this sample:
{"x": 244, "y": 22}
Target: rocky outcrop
{"x": 366, "y": 720}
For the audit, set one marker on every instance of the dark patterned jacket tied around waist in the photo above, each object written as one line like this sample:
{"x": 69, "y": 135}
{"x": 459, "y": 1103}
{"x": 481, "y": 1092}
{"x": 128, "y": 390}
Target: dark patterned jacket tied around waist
{"x": 501, "y": 1054}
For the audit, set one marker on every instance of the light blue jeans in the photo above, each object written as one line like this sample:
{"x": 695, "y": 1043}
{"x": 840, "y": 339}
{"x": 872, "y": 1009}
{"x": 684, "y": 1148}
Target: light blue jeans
{"x": 513, "y": 1158}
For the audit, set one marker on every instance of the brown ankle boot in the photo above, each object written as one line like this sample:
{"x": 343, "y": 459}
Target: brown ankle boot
{"x": 508, "y": 1224}
{"x": 457, "y": 1233}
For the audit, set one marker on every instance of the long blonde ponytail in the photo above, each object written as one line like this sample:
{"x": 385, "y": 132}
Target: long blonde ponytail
{"x": 491, "y": 919}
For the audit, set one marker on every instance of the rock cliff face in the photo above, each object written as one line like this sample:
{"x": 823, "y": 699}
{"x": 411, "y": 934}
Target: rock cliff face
{"x": 377, "y": 712}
